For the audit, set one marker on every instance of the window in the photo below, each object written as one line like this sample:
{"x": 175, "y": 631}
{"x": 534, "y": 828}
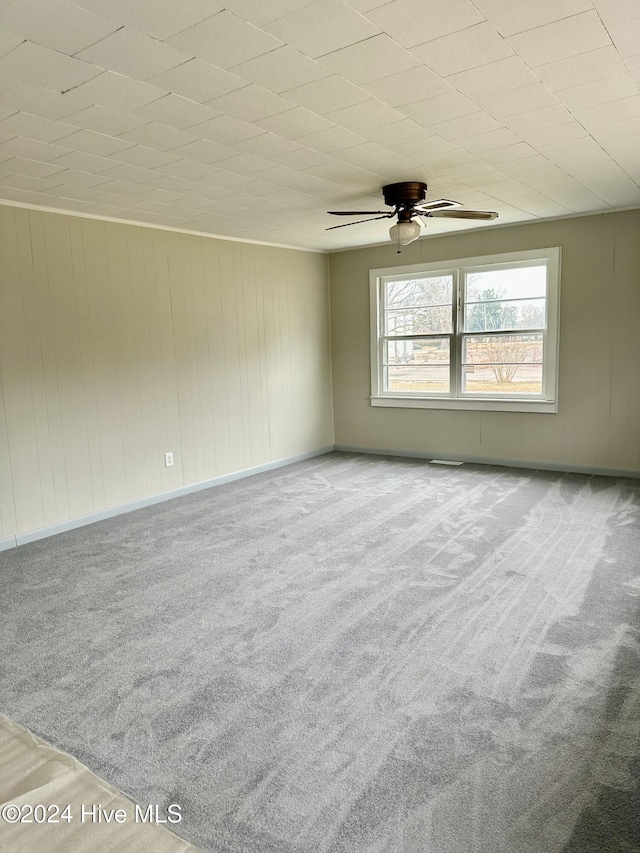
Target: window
{"x": 476, "y": 333}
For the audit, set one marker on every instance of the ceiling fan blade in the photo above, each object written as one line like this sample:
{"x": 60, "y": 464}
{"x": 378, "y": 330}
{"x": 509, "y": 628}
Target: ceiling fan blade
{"x": 360, "y": 212}
{"x": 463, "y": 214}
{"x": 438, "y": 203}
{"x": 346, "y": 224}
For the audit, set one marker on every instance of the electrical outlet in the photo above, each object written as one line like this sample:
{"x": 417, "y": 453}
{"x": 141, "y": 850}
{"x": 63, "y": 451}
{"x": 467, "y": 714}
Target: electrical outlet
{"x": 168, "y": 460}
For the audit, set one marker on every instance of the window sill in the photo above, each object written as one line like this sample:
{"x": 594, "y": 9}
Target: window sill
{"x": 480, "y": 404}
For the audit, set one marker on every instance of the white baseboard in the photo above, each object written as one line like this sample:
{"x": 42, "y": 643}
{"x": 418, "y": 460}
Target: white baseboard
{"x": 92, "y": 517}
{"x": 484, "y": 460}
{"x": 110, "y": 512}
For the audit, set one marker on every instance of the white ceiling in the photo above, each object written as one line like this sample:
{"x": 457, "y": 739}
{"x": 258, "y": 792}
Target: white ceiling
{"x": 252, "y": 118}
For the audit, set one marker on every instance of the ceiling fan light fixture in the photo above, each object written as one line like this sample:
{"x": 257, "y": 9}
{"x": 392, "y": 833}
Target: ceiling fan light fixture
{"x": 405, "y": 232}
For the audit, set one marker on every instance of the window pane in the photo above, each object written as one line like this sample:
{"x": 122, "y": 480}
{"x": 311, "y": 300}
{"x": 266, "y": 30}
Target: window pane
{"x": 418, "y": 321}
{"x": 429, "y": 379}
{"x": 412, "y": 293}
{"x": 417, "y": 352}
{"x": 503, "y": 364}
{"x": 515, "y": 283}
{"x": 419, "y": 365}
{"x": 502, "y": 379}
{"x": 519, "y": 349}
{"x": 494, "y": 316}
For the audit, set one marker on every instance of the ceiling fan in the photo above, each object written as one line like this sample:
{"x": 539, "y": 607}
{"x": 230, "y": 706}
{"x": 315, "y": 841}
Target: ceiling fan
{"x": 408, "y": 200}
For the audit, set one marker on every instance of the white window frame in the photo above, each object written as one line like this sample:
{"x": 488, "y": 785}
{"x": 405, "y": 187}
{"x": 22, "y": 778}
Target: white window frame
{"x": 546, "y": 402}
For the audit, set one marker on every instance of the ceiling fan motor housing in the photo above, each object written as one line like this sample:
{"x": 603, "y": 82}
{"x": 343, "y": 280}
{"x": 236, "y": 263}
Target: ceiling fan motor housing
{"x": 408, "y": 193}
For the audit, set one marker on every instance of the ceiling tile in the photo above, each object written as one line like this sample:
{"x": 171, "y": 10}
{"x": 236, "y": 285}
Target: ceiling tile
{"x": 9, "y": 41}
{"x": 276, "y": 174}
{"x": 561, "y": 39}
{"x": 597, "y": 92}
{"x": 365, "y": 5}
{"x": 489, "y": 141}
{"x": 360, "y": 155}
{"x": 557, "y": 133}
{"x": 186, "y": 169}
{"x": 224, "y": 40}
{"x": 43, "y": 102}
{"x": 146, "y": 158}
{"x": 159, "y": 136}
{"x": 462, "y": 50}
{"x": 625, "y": 108}
{"x": 633, "y": 66}
{"x": 203, "y": 151}
{"x": 295, "y": 122}
{"x": 168, "y": 182}
{"x": 626, "y": 36}
{"x": 536, "y": 119}
{"x": 441, "y": 108}
{"x": 226, "y": 130}
{"x": 32, "y": 63}
{"x": 198, "y": 81}
{"x": 510, "y": 18}
{"x": 135, "y": 174}
{"x": 620, "y": 192}
{"x": 579, "y": 202}
{"x": 301, "y": 158}
{"x": 82, "y": 162}
{"x": 616, "y": 11}
{"x": 407, "y": 87}
{"x": 118, "y": 92}
{"x": 277, "y": 70}
{"x": 331, "y": 140}
{"x": 96, "y": 143}
{"x": 324, "y": 95}
{"x": 516, "y": 151}
{"x": 500, "y": 76}
{"x": 258, "y": 12}
{"x": 410, "y": 24}
{"x": 616, "y": 129}
{"x": 71, "y": 177}
{"x": 406, "y": 130}
{"x": 370, "y": 59}
{"x": 175, "y": 111}
{"x": 55, "y": 24}
{"x": 467, "y": 126}
{"x": 524, "y": 164}
{"x": 346, "y": 176}
{"x": 18, "y": 166}
{"x": 133, "y": 54}
{"x": 322, "y": 27}
{"x": 103, "y": 120}
{"x": 36, "y": 127}
{"x": 531, "y": 97}
{"x": 576, "y": 156}
{"x": 32, "y": 149}
{"x": 157, "y": 18}
{"x": 576, "y": 70}
{"x": 423, "y": 149}
{"x": 448, "y": 159}
{"x": 364, "y": 116}
{"x": 267, "y": 146}
{"x": 251, "y": 103}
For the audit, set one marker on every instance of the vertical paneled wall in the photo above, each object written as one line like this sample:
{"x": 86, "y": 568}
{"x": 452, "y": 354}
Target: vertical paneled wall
{"x": 118, "y": 343}
{"x": 598, "y": 423}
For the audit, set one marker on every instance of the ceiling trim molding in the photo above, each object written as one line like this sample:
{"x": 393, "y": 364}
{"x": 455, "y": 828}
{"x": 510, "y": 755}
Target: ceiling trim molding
{"x": 102, "y": 218}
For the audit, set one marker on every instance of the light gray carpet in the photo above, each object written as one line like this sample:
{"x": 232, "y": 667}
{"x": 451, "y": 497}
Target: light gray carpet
{"x": 351, "y": 654}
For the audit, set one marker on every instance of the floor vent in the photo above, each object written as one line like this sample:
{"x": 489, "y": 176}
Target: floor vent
{"x": 444, "y": 462}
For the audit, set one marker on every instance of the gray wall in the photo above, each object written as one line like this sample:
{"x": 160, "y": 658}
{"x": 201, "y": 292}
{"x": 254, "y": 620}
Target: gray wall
{"x": 598, "y": 424}
{"x": 118, "y": 343}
